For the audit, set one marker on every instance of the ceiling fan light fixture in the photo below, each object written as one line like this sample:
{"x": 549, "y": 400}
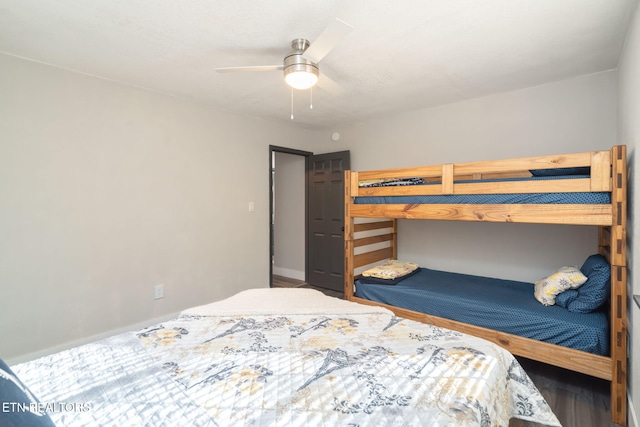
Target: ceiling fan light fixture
{"x": 300, "y": 72}
{"x": 301, "y": 80}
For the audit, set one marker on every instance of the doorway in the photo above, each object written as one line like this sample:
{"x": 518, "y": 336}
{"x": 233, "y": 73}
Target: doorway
{"x": 288, "y": 210}
{"x": 306, "y": 221}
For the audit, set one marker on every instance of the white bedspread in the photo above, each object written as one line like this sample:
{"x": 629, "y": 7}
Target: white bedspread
{"x": 273, "y": 357}
{"x": 281, "y": 301}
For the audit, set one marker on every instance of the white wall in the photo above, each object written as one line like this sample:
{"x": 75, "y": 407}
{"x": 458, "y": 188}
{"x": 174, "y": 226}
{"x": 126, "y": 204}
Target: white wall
{"x": 569, "y": 116}
{"x": 629, "y": 134}
{"x": 108, "y": 190}
{"x": 290, "y": 183}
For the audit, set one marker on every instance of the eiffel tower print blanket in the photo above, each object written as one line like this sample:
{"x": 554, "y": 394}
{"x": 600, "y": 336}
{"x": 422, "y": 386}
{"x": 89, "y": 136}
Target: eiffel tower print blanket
{"x": 289, "y": 357}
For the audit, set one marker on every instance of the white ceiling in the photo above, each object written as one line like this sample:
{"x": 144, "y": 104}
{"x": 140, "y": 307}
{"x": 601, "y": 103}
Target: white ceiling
{"x": 402, "y": 55}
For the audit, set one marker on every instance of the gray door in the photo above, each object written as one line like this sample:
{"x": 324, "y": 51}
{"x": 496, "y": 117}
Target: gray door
{"x": 326, "y": 220}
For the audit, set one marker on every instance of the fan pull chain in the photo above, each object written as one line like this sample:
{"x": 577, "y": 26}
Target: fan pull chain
{"x": 311, "y": 98}
{"x": 291, "y": 103}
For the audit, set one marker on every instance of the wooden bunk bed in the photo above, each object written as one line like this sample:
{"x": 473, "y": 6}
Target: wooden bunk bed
{"x": 368, "y": 242}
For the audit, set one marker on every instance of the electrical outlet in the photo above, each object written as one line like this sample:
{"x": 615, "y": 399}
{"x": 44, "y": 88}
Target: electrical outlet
{"x": 252, "y": 207}
{"x": 158, "y": 291}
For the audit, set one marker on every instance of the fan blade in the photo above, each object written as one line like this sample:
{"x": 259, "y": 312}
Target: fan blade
{"x": 327, "y": 40}
{"x": 327, "y": 84}
{"x": 250, "y": 68}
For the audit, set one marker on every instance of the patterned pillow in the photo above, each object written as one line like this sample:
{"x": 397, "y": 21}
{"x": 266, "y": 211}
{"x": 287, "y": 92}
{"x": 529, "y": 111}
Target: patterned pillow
{"x": 392, "y": 282}
{"x": 595, "y": 292}
{"x": 391, "y": 269}
{"x": 19, "y": 406}
{"x": 565, "y": 278}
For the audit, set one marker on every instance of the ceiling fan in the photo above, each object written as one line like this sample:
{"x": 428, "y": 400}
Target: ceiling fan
{"x": 300, "y": 66}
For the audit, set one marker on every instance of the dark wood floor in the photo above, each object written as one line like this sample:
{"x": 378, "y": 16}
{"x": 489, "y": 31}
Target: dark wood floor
{"x": 285, "y": 282}
{"x": 577, "y": 400}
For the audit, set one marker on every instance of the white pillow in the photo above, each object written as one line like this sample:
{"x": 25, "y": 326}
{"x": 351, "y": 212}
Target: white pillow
{"x": 565, "y": 278}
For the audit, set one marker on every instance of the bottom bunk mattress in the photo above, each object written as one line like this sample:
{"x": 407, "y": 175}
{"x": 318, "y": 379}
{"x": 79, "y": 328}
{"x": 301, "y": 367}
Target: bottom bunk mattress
{"x": 502, "y": 305}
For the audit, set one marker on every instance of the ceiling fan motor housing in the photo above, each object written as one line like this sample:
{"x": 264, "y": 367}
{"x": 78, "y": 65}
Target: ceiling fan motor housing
{"x": 294, "y": 62}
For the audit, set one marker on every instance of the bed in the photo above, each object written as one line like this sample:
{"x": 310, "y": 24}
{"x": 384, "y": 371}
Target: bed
{"x": 278, "y": 357}
{"x": 502, "y": 305}
{"x": 582, "y": 188}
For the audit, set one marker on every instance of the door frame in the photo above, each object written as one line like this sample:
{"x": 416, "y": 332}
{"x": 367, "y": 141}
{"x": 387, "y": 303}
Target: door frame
{"x": 307, "y": 157}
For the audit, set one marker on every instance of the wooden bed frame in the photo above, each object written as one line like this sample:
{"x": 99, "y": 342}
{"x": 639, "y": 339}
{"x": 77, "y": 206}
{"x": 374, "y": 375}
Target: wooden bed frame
{"x": 608, "y": 174}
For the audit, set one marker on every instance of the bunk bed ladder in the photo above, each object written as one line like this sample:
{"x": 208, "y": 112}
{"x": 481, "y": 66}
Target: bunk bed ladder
{"x": 388, "y": 234}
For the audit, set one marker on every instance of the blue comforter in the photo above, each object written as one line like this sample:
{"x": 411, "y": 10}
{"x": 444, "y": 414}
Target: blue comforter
{"x": 502, "y": 305}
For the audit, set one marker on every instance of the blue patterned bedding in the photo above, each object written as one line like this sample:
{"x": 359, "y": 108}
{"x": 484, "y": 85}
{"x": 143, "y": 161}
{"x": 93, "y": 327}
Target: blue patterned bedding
{"x": 502, "y": 305}
{"x": 358, "y": 366}
{"x": 542, "y": 198}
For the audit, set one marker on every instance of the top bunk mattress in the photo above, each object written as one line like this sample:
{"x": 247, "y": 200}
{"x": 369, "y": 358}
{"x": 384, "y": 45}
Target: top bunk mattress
{"x": 591, "y": 198}
{"x": 502, "y": 305}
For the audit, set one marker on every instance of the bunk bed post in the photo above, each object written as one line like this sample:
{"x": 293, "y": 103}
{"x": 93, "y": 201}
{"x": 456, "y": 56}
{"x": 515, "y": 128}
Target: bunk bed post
{"x": 618, "y": 259}
{"x": 348, "y": 235}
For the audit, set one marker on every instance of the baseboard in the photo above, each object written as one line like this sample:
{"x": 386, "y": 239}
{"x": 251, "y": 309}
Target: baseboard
{"x": 287, "y": 272}
{"x": 76, "y": 343}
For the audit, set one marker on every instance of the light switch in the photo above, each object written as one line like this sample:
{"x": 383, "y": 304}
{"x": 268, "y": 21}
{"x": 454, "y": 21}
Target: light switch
{"x": 252, "y": 207}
